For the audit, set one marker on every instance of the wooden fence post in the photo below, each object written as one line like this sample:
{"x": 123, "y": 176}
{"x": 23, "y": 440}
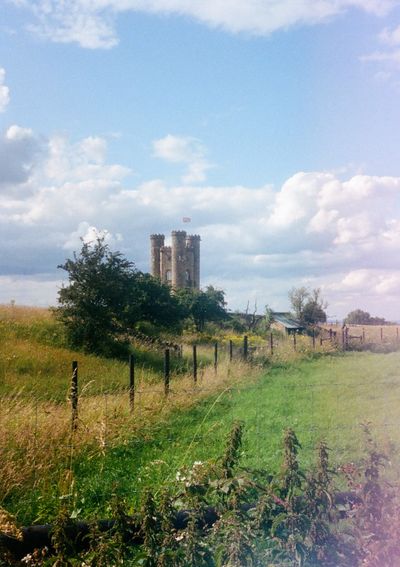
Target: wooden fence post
{"x": 195, "y": 364}
{"x": 166, "y": 371}
{"x": 74, "y": 395}
{"x": 230, "y": 350}
{"x": 216, "y": 357}
{"x": 271, "y": 344}
{"x": 381, "y": 335}
{"x": 330, "y": 334}
{"x": 347, "y": 338}
{"x": 294, "y": 341}
{"x": 313, "y": 338}
{"x": 131, "y": 382}
{"x": 320, "y": 341}
{"x": 245, "y": 347}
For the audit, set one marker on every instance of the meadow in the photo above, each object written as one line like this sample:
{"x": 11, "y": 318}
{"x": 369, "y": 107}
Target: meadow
{"x": 377, "y": 335}
{"x": 321, "y": 394}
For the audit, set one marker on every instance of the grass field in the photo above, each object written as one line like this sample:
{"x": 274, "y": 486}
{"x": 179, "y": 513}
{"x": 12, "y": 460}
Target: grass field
{"x": 326, "y": 399}
{"x": 321, "y": 399}
{"x": 115, "y": 452}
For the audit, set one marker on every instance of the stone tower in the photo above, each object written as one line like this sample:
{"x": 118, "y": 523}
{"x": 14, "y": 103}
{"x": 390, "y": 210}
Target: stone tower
{"x": 178, "y": 264}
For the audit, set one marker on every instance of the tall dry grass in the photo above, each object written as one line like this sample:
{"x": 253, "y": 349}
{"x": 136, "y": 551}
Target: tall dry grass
{"x": 37, "y": 443}
{"x": 24, "y": 313}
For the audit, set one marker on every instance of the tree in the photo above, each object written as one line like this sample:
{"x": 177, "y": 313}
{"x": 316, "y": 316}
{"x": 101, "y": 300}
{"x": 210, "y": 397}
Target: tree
{"x": 203, "y": 306}
{"x": 314, "y": 309}
{"x": 308, "y": 305}
{"x": 360, "y": 317}
{"x": 98, "y": 301}
{"x": 157, "y": 304}
{"x": 298, "y": 297}
{"x": 250, "y": 318}
{"x": 107, "y": 296}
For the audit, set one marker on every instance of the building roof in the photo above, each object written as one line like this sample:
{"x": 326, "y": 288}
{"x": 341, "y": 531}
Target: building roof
{"x": 286, "y": 320}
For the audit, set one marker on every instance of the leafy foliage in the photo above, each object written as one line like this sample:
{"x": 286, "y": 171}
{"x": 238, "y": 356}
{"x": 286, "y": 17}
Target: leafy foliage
{"x": 107, "y": 296}
{"x": 308, "y": 305}
{"x": 98, "y": 300}
{"x": 156, "y": 304}
{"x": 203, "y": 306}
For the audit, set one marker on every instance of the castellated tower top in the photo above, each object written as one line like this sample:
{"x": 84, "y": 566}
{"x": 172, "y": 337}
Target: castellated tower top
{"x": 178, "y": 264}
{"x": 157, "y": 237}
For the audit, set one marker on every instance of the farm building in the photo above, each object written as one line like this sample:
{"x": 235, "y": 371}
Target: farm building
{"x": 285, "y": 322}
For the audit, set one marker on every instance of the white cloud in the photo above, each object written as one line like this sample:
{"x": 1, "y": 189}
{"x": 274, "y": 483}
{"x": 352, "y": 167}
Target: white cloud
{"x": 81, "y": 161}
{"x": 91, "y": 23}
{"x": 366, "y": 283}
{"x": 187, "y": 150}
{"x": 94, "y": 148}
{"x": 357, "y": 279}
{"x": 76, "y": 21}
{"x": 4, "y": 91}
{"x": 388, "y": 57}
{"x": 15, "y": 132}
{"x": 20, "y": 153}
{"x": 90, "y": 234}
{"x": 297, "y": 198}
{"x": 390, "y": 36}
{"x": 353, "y": 228}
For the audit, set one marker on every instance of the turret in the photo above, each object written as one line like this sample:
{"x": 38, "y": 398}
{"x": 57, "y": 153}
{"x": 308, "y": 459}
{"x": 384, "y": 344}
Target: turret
{"x": 156, "y": 243}
{"x": 178, "y": 258}
{"x": 193, "y": 242}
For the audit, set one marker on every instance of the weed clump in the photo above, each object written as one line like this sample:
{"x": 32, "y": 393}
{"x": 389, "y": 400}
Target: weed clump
{"x": 218, "y": 513}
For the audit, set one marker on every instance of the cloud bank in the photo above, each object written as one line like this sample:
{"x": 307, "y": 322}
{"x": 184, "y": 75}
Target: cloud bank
{"x": 91, "y": 23}
{"x": 316, "y": 229}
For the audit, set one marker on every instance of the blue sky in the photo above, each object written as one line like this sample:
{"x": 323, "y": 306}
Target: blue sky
{"x": 274, "y": 126}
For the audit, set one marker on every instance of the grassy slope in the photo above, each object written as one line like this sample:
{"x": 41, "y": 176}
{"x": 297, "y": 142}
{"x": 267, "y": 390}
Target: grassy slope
{"x": 326, "y": 398}
{"x": 35, "y": 360}
{"x": 35, "y": 372}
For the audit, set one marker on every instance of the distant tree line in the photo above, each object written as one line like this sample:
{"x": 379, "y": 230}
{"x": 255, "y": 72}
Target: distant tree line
{"x": 107, "y": 297}
{"x": 360, "y": 317}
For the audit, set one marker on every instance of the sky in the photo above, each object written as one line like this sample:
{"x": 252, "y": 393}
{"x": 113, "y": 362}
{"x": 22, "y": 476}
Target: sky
{"x": 274, "y": 126}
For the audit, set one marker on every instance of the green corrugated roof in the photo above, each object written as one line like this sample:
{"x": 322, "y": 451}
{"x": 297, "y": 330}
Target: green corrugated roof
{"x": 287, "y": 320}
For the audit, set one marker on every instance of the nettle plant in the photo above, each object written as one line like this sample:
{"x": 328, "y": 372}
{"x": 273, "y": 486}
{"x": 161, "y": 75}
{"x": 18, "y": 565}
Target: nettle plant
{"x": 219, "y": 514}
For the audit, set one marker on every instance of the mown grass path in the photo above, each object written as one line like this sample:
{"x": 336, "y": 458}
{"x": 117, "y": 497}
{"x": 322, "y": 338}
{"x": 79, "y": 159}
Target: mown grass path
{"x": 326, "y": 398}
